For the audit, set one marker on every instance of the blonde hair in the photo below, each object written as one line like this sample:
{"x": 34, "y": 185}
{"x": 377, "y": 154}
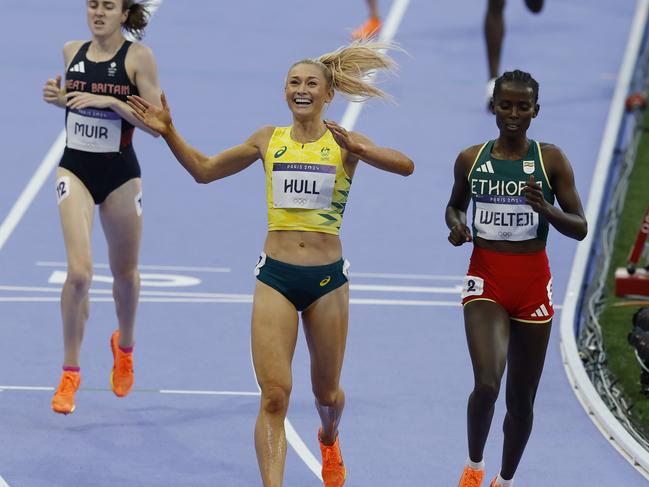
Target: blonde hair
{"x": 350, "y": 69}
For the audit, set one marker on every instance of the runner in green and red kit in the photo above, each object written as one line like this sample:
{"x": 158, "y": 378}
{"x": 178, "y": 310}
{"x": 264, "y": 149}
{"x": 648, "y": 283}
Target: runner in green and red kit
{"x": 507, "y": 293}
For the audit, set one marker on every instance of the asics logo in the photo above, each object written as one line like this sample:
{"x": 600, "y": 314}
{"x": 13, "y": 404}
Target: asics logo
{"x": 325, "y": 281}
{"x": 281, "y": 152}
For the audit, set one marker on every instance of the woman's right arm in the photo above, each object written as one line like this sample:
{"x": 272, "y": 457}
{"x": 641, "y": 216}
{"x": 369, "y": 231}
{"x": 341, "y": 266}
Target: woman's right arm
{"x": 52, "y": 91}
{"x": 204, "y": 169}
{"x": 459, "y": 200}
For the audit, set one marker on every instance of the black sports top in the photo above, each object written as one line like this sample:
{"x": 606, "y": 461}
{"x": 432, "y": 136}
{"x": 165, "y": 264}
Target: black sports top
{"x": 99, "y": 129}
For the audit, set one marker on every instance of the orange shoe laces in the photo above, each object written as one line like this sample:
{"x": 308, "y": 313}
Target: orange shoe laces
{"x": 68, "y": 384}
{"x": 124, "y": 362}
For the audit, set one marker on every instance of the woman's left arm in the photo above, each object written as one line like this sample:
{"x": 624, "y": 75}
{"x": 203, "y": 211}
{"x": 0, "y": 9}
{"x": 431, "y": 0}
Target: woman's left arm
{"x": 361, "y": 147}
{"x": 146, "y": 80}
{"x": 569, "y": 219}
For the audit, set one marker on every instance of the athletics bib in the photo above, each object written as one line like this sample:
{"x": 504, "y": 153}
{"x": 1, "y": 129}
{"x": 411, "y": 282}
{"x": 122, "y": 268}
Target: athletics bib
{"x": 505, "y": 218}
{"x": 299, "y": 185}
{"x": 93, "y": 130}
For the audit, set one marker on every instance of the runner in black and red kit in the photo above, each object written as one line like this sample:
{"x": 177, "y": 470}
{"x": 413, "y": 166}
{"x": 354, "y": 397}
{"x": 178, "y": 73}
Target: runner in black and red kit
{"x": 99, "y": 167}
{"x": 507, "y": 293}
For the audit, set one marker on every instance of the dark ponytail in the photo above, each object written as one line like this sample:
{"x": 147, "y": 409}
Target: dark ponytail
{"x": 138, "y": 17}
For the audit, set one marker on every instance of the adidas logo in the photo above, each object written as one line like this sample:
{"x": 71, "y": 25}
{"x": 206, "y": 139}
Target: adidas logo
{"x": 486, "y": 167}
{"x": 541, "y": 312}
{"x": 78, "y": 68}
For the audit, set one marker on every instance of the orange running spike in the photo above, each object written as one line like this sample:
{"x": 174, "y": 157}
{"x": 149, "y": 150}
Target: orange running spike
{"x": 334, "y": 472}
{"x": 121, "y": 377}
{"x": 63, "y": 400}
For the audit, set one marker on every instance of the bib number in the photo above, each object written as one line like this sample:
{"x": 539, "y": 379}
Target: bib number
{"x": 301, "y": 185}
{"x": 62, "y": 188}
{"x": 93, "y": 130}
{"x": 473, "y": 286}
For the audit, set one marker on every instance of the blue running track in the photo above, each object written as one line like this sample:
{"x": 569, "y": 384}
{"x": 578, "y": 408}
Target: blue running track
{"x": 407, "y": 373}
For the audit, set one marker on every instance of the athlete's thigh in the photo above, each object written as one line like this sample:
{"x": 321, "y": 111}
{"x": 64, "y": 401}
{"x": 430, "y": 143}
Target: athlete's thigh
{"x": 76, "y": 210}
{"x": 527, "y": 348}
{"x": 121, "y": 219}
{"x": 274, "y": 335}
{"x": 487, "y": 328}
{"x": 325, "y": 329}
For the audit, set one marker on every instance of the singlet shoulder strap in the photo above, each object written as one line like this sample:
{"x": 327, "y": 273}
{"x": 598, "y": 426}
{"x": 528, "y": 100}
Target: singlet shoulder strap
{"x": 485, "y": 147}
{"x": 122, "y": 50}
{"x": 81, "y": 53}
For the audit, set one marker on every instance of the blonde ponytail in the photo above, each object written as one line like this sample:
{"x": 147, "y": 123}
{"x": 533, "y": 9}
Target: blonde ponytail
{"x": 350, "y": 69}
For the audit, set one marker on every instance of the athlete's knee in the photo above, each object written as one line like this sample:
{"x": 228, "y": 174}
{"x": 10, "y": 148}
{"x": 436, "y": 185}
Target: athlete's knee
{"x": 327, "y": 397}
{"x": 496, "y": 6}
{"x": 126, "y": 277}
{"x": 274, "y": 399}
{"x": 520, "y": 406}
{"x": 486, "y": 392}
{"x": 79, "y": 278}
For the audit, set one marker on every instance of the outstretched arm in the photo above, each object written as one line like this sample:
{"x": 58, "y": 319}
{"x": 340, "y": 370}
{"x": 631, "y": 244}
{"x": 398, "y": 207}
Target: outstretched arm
{"x": 569, "y": 219}
{"x": 362, "y": 148}
{"x": 459, "y": 200}
{"x": 204, "y": 169}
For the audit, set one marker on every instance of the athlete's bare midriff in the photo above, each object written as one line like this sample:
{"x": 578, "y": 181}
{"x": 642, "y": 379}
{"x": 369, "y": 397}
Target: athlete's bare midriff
{"x": 303, "y": 248}
{"x": 524, "y": 247}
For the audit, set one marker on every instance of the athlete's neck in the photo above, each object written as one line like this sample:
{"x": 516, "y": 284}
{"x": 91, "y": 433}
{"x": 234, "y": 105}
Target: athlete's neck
{"x": 104, "y": 48}
{"x": 306, "y": 131}
{"x": 510, "y": 148}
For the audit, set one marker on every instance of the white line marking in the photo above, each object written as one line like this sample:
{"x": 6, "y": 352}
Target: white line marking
{"x": 426, "y": 277}
{"x": 392, "y": 22}
{"x": 26, "y": 388}
{"x": 35, "y": 184}
{"x": 598, "y": 412}
{"x": 406, "y": 289}
{"x": 144, "y": 267}
{"x": 161, "y": 391}
{"x": 209, "y": 393}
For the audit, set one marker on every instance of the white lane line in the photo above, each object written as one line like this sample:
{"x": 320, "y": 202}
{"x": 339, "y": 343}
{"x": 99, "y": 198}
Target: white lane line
{"x": 187, "y": 294}
{"x": 406, "y": 289}
{"x": 392, "y": 22}
{"x": 145, "y": 267}
{"x": 209, "y": 393}
{"x": 161, "y": 391}
{"x": 425, "y": 277}
{"x": 583, "y": 388}
{"x": 35, "y": 184}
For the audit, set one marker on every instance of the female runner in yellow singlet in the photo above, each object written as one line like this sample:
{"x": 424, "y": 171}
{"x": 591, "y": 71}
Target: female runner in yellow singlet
{"x": 309, "y": 167}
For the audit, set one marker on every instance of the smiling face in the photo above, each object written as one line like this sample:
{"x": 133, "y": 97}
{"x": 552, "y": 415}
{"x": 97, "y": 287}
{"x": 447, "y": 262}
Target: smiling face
{"x": 307, "y": 91}
{"x": 515, "y": 106}
{"x": 105, "y": 17}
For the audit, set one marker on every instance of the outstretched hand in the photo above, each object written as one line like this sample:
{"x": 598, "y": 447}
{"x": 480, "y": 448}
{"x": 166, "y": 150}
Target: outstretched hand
{"x": 157, "y": 119}
{"x": 343, "y": 138}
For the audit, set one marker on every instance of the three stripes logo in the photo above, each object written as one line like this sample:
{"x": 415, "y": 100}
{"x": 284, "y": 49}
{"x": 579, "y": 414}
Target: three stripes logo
{"x": 78, "y": 68}
{"x": 541, "y": 312}
{"x": 486, "y": 167}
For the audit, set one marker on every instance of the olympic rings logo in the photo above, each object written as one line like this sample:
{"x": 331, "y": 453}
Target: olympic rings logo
{"x": 505, "y": 234}
{"x": 299, "y": 201}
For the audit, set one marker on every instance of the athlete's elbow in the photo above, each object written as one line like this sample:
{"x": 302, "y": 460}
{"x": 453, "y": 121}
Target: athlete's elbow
{"x": 408, "y": 168}
{"x": 584, "y": 232}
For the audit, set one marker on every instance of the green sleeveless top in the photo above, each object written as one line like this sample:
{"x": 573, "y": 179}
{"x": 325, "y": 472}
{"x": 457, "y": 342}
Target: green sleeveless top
{"x": 499, "y": 209}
